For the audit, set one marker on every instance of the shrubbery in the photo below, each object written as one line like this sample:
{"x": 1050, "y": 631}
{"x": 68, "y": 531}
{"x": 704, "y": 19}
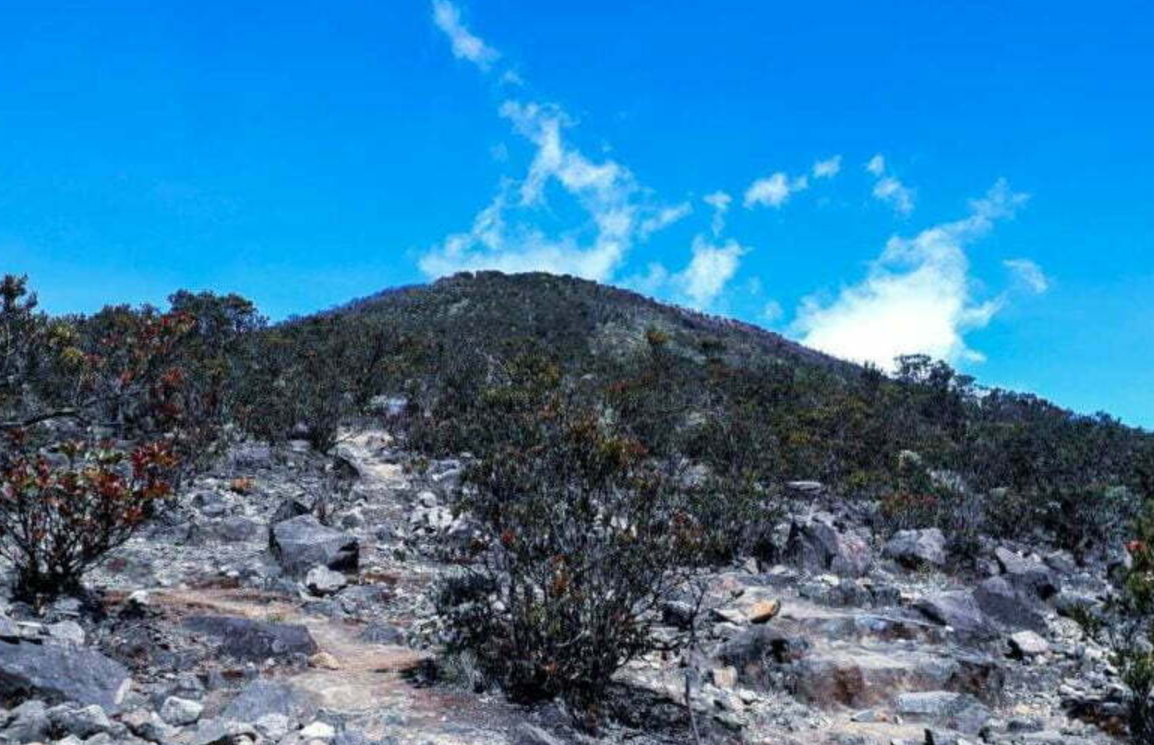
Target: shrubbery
{"x": 585, "y": 534}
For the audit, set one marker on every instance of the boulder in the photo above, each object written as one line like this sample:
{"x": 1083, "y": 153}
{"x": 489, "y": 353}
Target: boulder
{"x": 247, "y": 639}
{"x": 957, "y": 609}
{"x": 816, "y": 544}
{"x": 57, "y": 673}
{"x": 1009, "y": 606}
{"x": 83, "y": 722}
{"x": 180, "y": 711}
{"x": 915, "y": 548}
{"x": 324, "y": 581}
{"x": 289, "y": 509}
{"x": 757, "y": 646}
{"x": 301, "y": 543}
{"x": 380, "y": 633}
{"x": 1028, "y": 644}
{"x": 262, "y": 698}
{"x": 1027, "y": 574}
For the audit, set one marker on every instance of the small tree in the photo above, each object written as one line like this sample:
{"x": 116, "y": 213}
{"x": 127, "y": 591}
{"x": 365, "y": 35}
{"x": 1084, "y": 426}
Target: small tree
{"x": 584, "y": 536}
{"x": 1133, "y": 637}
{"x": 61, "y": 513}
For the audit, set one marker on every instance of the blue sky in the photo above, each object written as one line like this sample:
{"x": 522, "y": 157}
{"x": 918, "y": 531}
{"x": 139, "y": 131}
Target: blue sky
{"x": 969, "y": 180}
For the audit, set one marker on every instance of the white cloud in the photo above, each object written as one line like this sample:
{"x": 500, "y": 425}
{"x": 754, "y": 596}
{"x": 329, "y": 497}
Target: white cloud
{"x": 665, "y": 217}
{"x": 719, "y": 201}
{"x": 827, "y": 168}
{"x": 897, "y": 194}
{"x": 465, "y": 45}
{"x": 615, "y": 211}
{"x": 710, "y": 269}
{"x": 774, "y": 190}
{"x": 916, "y": 298}
{"x": 772, "y": 312}
{"x": 1029, "y": 274}
{"x": 889, "y": 188}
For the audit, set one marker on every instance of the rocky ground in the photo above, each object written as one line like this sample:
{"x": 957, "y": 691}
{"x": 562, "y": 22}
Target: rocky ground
{"x": 282, "y": 599}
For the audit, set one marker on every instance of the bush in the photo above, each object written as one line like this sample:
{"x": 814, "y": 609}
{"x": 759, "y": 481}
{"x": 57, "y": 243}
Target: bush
{"x": 60, "y": 515}
{"x": 584, "y": 537}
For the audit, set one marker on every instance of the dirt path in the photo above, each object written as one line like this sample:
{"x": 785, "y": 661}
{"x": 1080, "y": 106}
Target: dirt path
{"x": 367, "y": 684}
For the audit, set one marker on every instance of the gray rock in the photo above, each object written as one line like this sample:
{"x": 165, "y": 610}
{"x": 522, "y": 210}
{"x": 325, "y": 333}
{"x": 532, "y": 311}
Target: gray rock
{"x": 247, "y": 639}
{"x": 1028, "y": 644}
{"x": 261, "y": 698}
{"x": 287, "y": 510}
{"x": 1007, "y": 605}
{"x": 816, "y": 544}
{"x": 28, "y": 722}
{"x": 957, "y": 609}
{"x": 83, "y": 722}
{"x": 221, "y": 732}
{"x": 1028, "y": 575}
{"x": 914, "y": 548}
{"x": 527, "y": 734}
{"x": 58, "y": 673}
{"x": 302, "y": 543}
{"x": 381, "y": 633}
{"x": 324, "y": 581}
{"x": 180, "y": 711}
{"x": 68, "y": 632}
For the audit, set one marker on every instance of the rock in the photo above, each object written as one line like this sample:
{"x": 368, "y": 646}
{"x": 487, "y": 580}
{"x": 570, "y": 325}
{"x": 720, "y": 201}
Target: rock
{"x": 262, "y": 698}
{"x": 247, "y": 639}
{"x": 324, "y": 581}
{"x": 149, "y": 726}
{"x": 1007, "y": 605}
{"x": 180, "y": 711}
{"x": 915, "y": 548}
{"x": 1028, "y": 644}
{"x": 287, "y": 510}
{"x": 527, "y": 734}
{"x": 724, "y": 677}
{"x": 380, "y": 633}
{"x": 318, "y": 731}
{"x": 68, "y": 632}
{"x": 301, "y": 543}
{"x": 955, "y": 710}
{"x": 763, "y": 610}
{"x": 84, "y": 722}
{"x": 751, "y": 649}
{"x": 273, "y": 726}
{"x": 817, "y": 545}
{"x": 871, "y": 676}
{"x": 57, "y": 673}
{"x": 28, "y": 722}
{"x": 221, "y": 732}
{"x": 1027, "y": 575}
{"x": 324, "y": 661}
{"x": 234, "y": 529}
{"x": 957, "y": 609}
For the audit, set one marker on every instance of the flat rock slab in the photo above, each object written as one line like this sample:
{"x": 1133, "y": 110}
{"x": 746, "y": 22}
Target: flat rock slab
{"x": 56, "y": 674}
{"x": 247, "y": 639}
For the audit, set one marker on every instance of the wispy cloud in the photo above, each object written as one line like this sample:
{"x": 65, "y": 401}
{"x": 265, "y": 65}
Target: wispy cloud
{"x": 827, "y": 168}
{"x": 465, "y": 45}
{"x": 773, "y": 191}
{"x": 1029, "y": 274}
{"x": 709, "y": 270}
{"x": 917, "y": 296}
{"x": 889, "y": 188}
{"x": 613, "y": 212}
{"x": 719, "y": 201}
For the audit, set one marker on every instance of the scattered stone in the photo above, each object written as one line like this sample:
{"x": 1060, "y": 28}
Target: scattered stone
{"x": 321, "y": 580}
{"x": 324, "y": 661}
{"x": 957, "y": 609}
{"x": 247, "y": 639}
{"x": 527, "y": 734}
{"x": 180, "y": 711}
{"x": 1007, "y": 605}
{"x": 57, "y": 673}
{"x": 84, "y": 722}
{"x": 318, "y": 731}
{"x": 262, "y": 697}
{"x": 724, "y": 677}
{"x": 381, "y": 633}
{"x": 915, "y": 548}
{"x": 763, "y": 610}
{"x": 68, "y": 632}
{"x": 302, "y": 542}
{"x": 1028, "y": 644}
